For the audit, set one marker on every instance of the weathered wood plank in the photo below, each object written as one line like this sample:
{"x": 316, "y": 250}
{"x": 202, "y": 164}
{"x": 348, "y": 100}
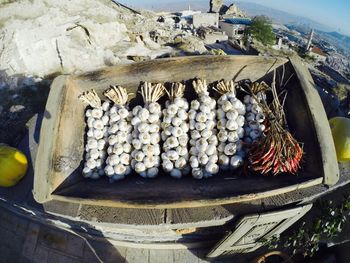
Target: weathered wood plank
{"x": 103, "y": 251}
{"x": 169, "y": 197}
{"x": 42, "y": 185}
{"x": 56, "y": 207}
{"x": 211, "y": 68}
{"x": 126, "y": 216}
{"x": 204, "y": 216}
{"x": 185, "y": 256}
{"x": 319, "y": 117}
{"x": 203, "y": 259}
{"x": 161, "y": 256}
{"x": 136, "y": 255}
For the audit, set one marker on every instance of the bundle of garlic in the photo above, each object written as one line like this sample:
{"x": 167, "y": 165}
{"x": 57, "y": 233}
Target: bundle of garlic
{"x": 97, "y": 122}
{"x": 119, "y": 135}
{"x": 174, "y": 133}
{"x": 230, "y": 115}
{"x": 146, "y": 131}
{"x": 203, "y": 135}
{"x": 255, "y": 116}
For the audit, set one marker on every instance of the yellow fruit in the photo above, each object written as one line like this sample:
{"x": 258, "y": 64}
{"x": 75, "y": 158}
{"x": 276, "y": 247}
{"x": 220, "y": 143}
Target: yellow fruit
{"x": 13, "y": 165}
{"x": 340, "y": 127}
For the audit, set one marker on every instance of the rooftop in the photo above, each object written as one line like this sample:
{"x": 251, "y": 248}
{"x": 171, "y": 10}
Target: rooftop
{"x": 238, "y": 20}
{"x": 318, "y": 51}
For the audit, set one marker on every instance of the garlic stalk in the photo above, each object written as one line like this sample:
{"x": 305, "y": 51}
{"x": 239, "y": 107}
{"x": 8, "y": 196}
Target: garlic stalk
{"x": 174, "y": 133}
{"x": 230, "y": 115}
{"x": 146, "y": 131}
{"x": 203, "y": 133}
{"x": 97, "y": 122}
{"x": 119, "y": 135}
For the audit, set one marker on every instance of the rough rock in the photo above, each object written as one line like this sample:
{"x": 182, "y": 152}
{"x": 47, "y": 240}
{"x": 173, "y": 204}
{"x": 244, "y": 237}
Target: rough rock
{"x": 193, "y": 46}
{"x": 57, "y": 36}
{"x": 215, "y": 5}
{"x": 16, "y": 108}
{"x": 233, "y": 10}
{"x": 72, "y": 36}
{"x": 139, "y": 58}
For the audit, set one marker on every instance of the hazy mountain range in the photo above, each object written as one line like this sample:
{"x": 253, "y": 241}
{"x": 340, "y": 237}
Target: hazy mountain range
{"x": 281, "y": 17}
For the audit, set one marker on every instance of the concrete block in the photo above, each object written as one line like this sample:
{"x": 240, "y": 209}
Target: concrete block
{"x": 41, "y": 254}
{"x": 56, "y": 257}
{"x": 75, "y": 246}
{"x": 30, "y": 240}
{"x": 53, "y": 238}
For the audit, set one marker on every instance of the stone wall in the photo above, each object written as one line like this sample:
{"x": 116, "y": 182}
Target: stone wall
{"x": 231, "y": 29}
{"x": 205, "y": 19}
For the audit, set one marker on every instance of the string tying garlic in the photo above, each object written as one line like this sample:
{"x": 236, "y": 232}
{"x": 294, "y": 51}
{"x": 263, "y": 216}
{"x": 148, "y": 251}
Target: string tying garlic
{"x": 203, "y": 133}
{"x": 230, "y": 115}
{"x": 255, "y": 118}
{"x": 97, "y": 121}
{"x": 119, "y": 135}
{"x": 174, "y": 133}
{"x": 146, "y": 133}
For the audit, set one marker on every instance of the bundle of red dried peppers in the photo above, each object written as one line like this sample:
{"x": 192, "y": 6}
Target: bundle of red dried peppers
{"x": 276, "y": 151}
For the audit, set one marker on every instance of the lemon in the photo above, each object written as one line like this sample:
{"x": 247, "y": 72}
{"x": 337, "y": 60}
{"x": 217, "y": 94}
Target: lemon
{"x": 340, "y": 127}
{"x": 13, "y": 165}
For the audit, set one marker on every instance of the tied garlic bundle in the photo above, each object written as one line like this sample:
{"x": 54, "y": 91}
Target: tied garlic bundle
{"x": 230, "y": 115}
{"x": 119, "y": 139}
{"x": 255, "y": 116}
{"x": 97, "y": 121}
{"x": 203, "y": 140}
{"x": 174, "y": 133}
{"x": 146, "y": 133}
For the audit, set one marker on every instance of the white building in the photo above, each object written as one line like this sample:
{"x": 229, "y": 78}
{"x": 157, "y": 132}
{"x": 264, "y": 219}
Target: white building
{"x": 211, "y": 35}
{"x": 187, "y": 14}
{"x": 234, "y": 27}
{"x": 205, "y": 20}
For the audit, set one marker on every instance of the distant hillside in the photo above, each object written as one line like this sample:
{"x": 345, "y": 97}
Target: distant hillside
{"x": 339, "y": 36}
{"x": 281, "y": 17}
{"x": 341, "y": 42}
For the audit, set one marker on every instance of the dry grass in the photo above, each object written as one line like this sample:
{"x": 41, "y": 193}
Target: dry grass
{"x": 342, "y": 91}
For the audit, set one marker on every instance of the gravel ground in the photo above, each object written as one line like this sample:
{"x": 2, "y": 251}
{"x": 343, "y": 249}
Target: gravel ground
{"x": 20, "y": 99}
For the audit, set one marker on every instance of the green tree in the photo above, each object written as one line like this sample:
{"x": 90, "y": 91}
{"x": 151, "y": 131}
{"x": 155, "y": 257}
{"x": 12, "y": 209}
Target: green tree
{"x": 261, "y": 30}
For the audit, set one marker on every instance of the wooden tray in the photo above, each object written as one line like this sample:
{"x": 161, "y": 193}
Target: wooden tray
{"x": 58, "y": 167}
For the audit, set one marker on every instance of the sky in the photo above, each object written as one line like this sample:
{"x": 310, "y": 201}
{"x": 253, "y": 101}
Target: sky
{"x": 334, "y": 13}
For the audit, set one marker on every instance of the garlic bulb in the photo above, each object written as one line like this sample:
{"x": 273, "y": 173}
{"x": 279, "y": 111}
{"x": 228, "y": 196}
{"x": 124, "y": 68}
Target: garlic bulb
{"x": 145, "y": 137}
{"x": 97, "y": 121}
{"x": 175, "y": 132}
{"x": 203, "y": 134}
{"x": 230, "y": 114}
{"x": 255, "y": 117}
{"x": 119, "y": 138}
